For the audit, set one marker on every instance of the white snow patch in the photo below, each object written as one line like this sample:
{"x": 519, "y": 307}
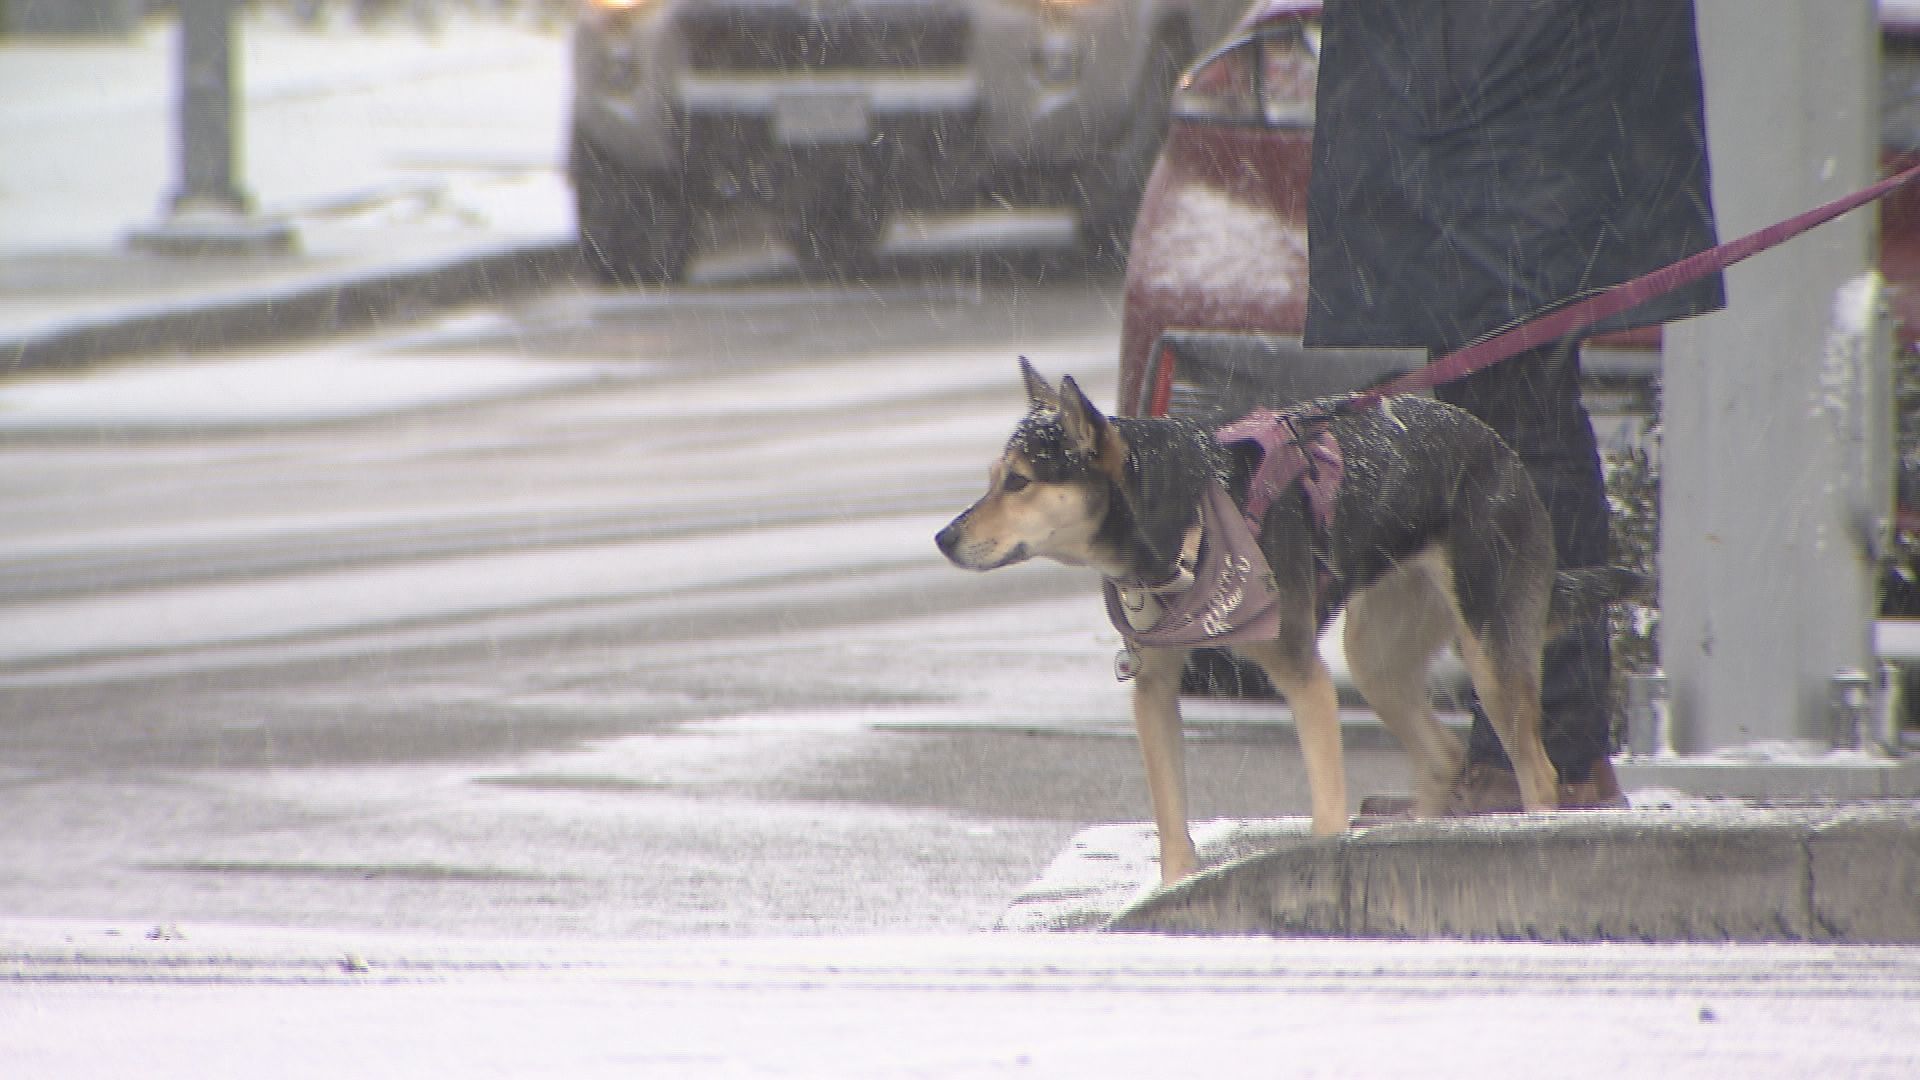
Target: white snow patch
{"x": 1669, "y": 799}
{"x": 1108, "y": 868}
{"x": 1857, "y": 306}
{"x": 529, "y": 201}
{"x": 1790, "y": 752}
{"x": 1210, "y": 239}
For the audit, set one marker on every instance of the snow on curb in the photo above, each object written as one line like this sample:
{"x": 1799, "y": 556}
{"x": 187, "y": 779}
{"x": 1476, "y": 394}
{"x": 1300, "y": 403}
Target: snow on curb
{"x": 1108, "y": 868}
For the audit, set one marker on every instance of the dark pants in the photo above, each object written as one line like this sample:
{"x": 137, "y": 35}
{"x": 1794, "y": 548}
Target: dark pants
{"x": 1533, "y": 401}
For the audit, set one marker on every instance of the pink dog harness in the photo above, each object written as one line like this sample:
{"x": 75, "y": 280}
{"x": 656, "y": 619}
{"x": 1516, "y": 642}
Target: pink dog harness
{"x": 1224, "y": 592}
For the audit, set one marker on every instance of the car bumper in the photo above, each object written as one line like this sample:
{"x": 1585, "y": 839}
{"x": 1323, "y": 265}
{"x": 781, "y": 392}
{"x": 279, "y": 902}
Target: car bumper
{"x": 1026, "y": 92}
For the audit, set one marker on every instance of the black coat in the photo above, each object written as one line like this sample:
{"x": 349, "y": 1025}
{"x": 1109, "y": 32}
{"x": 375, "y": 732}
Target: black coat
{"x": 1477, "y": 161}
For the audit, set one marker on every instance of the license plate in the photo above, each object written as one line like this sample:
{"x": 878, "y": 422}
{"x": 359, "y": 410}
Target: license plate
{"x": 814, "y": 119}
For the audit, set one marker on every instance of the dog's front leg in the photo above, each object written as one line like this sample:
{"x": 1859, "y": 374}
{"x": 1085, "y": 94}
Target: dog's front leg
{"x": 1156, "y": 716}
{"x": 1303, "y": 679}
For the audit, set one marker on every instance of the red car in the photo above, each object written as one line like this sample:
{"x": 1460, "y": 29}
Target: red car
{"x": 1220, "y": 243}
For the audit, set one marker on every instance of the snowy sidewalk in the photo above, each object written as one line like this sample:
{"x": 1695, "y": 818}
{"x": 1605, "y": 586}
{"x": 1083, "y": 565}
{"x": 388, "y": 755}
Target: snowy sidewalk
{"x": 91, "y": 1000}
{"x": 417, "y": 171}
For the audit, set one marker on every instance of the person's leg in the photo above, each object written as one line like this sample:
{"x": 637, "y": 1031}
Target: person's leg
{"x": 1533, "y": 402}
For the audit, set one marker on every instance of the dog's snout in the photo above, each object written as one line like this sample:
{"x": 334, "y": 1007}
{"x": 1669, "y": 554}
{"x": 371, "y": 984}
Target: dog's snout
{"x": 947, "y": 539}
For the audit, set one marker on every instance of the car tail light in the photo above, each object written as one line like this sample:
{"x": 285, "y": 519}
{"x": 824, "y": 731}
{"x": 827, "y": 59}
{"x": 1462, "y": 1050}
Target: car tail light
{"x": 1267, "y": 79}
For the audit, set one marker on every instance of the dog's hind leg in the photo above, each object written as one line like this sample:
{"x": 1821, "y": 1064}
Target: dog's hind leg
{"x": 1156, "y": 716}
{"x": 1506, "y": 675}
{"x": 1302, "y": 677}
{"x": 1393, "y": 630}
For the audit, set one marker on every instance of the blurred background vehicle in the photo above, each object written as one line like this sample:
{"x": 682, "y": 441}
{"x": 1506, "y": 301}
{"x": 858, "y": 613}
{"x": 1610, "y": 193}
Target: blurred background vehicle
{"x": 840, "y": 117}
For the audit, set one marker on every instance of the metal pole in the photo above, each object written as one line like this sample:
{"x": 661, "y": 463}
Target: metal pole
{"x": 207, "y": 82}
{"x": 208, "y": 212}
{"x": 1772, "y": 450}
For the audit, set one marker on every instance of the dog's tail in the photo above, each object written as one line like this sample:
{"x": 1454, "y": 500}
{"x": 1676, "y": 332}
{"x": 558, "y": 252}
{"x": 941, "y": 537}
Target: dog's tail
{"x": 1588, "y": 591}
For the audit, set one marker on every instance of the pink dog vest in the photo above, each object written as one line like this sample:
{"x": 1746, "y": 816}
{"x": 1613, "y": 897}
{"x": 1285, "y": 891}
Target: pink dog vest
{"x": 1231, "y": 595}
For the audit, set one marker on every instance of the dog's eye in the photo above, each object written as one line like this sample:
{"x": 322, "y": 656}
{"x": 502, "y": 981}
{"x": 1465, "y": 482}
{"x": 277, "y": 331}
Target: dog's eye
{"x": 1014, "y": 482}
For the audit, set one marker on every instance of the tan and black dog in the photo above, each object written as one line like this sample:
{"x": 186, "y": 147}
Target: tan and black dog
{"x": 1434, "y": 536}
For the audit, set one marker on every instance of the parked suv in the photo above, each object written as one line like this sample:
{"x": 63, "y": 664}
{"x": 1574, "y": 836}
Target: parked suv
{"x": 841, "y": 113}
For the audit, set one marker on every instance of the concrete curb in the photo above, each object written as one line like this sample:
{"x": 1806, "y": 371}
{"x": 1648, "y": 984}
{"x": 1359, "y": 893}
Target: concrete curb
{"x": 1837, "y": 875}
{"x": 323, "y": 305}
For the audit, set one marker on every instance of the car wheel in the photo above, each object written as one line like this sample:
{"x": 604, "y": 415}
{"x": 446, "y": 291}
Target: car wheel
{"x": 632, "y": 230}
{"x": 1110, "y": 193}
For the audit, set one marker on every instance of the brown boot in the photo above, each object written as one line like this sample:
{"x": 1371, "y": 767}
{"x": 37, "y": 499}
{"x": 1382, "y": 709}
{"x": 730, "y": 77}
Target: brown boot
{"x": 1599, "y": 791}
{"x": 1489, "y": 789}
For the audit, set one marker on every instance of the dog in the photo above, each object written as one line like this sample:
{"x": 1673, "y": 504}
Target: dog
{"x": 1433, "y": 536}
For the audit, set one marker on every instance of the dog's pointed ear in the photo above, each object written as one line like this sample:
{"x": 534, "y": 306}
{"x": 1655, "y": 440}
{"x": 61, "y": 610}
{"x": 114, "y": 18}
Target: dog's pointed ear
{"x": 1085, "y": 425}
{"x": 1038, "y": 392}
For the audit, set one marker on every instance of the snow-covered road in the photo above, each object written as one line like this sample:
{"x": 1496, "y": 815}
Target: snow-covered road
{"x": 607, "y": 614}
{"x": 236, "y": 1003}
